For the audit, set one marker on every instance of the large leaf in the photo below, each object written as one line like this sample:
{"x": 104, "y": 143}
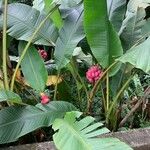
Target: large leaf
{"x": 81, "y": 135}
{"x": 68, "y": 3}
{"x": 138, "y": 56}
{"x": 146, "y": 1}
{"x": 1, "y": 2}
{"x": 131, "y": 30}
{"x": 146, "y": 28}
{"x": 9, "y": 96}
{"x": 56, "y": 16}
{"x": 45, "y": 6}
{"x": 70, "y": 35}
{"x": 23, "y": 21}
{"x": 18, "y": 121}
{"x": 39, "y": 5}
{"x": 33, "y": 67}
{"x": 116, "y": 11}
{"x": 101, "y": 36}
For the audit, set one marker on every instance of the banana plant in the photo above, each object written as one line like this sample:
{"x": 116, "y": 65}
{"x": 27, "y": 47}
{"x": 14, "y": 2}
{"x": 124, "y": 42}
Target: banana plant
{"x": 21, "y": 120}
{"x": 128, "y": 27}
{"x": 114, "y": 36}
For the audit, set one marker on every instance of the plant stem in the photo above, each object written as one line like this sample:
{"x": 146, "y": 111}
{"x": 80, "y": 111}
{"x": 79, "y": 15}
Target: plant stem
{"x": 76, "y": 80}
{"x": 107, "y": 91}
{"x": 6, "y": 84}
{"x": 136, "y": 106}
{"x": 115, "y": 101}
{"x": 82, "y": 82}
{"x": 121, "y": 76}
{"x": 28, "y": 44}
{"x": 103, "y": 99}
{"x": 56, "y": 86}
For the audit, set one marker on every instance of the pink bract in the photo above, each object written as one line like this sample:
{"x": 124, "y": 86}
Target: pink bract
{"x": 43, "y": 53}
{"x": 44, "y": 99}
{"x": 93, "y": 73}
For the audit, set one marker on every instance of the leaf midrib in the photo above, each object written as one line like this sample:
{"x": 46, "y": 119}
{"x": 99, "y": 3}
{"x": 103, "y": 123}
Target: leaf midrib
{"x": 76, "y": 134}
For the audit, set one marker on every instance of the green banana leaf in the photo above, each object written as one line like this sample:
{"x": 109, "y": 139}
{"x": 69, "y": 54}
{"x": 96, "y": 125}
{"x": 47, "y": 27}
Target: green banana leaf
{"x": 23, "y": 21}
{"x": 81, "y": 134}
{"x": 102, "y": 38}
{"x": 16, "y": 121}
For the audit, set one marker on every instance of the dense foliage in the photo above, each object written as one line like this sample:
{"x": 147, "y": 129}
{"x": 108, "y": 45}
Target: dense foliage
{"x": 63, "y": 57}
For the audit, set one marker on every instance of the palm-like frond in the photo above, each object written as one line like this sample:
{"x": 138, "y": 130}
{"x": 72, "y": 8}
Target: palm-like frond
{"x": 17, "y": 121}
{"x": 75, "y": 134}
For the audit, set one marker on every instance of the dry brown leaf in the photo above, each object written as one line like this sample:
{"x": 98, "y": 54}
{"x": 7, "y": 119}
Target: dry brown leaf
{"x": 18, "y": 74}
{"x": 53, "y": 80}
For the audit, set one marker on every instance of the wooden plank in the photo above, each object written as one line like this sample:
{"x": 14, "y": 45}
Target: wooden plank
{"x": 138, "y": 139}
{"x": 36, "y": 146}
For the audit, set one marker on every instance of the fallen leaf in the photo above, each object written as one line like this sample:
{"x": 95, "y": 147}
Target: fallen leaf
{"x": 53, "y": 80}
